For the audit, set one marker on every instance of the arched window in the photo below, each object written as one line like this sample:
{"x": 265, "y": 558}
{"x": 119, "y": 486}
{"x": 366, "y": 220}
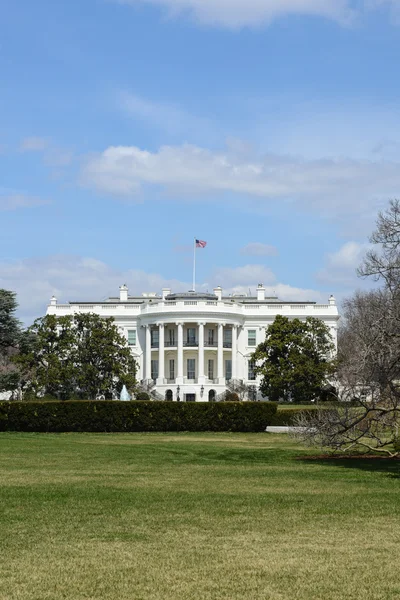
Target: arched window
{"x": 169, "y": 396}
{"x": 211, "y": 396}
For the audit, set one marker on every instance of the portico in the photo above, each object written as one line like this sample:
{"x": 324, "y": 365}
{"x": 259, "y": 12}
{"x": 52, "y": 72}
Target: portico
{"x": 187, "y": 345}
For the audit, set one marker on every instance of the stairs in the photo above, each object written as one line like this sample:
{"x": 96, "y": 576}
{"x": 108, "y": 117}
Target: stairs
{"x": 236, "y": 385}
{"x": 148, "y": 385}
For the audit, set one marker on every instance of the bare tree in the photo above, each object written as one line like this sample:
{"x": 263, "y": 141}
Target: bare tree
{"x": 382, "y": 262}
{"x": 368, "y": 413}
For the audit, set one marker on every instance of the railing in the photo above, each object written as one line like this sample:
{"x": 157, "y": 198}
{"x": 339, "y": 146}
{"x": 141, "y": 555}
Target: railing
{"x": 148, "y": 384}
{"x": 236, "y": 385}
{"x": 157, "y": 396}
{"x": 170, "y": 344}
{"x": 227, "y": 344}
{"x": 155, "y": 344}
{"x": 211, "y": 344}
{"x": 191, "y": 343}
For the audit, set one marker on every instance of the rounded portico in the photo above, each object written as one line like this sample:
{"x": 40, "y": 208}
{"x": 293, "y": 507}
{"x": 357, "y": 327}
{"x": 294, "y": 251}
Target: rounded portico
{"x": 190, "y": 345}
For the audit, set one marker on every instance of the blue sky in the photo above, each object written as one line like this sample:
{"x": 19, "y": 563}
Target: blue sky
{"x": 269, "y": 128}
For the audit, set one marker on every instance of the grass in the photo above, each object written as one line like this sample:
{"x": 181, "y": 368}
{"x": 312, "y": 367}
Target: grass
{"x": 193, "y": 517}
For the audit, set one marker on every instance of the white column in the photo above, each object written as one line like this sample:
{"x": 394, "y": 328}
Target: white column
{"x": 148, "y": 352}
{"x": 220, "y": 371}
{"x": 179, "y": 378}
{"x": 234, "y": 351}
{"x": 201, "y": 376}
{"x": 161, "y": 355}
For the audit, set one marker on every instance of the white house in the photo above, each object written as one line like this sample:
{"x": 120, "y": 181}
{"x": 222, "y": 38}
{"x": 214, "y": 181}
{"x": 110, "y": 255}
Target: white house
{"x": 194, "y": 346}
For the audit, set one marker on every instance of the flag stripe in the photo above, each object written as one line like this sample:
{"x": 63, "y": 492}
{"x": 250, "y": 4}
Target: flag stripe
{"x": 201, "y": 244}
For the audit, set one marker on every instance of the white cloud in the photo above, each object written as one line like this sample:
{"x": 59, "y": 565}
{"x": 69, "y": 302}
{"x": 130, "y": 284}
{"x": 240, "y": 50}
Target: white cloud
{"x": 16, "y": 201}
{"x": 249, "y": 275}
{"x": 328, "y": 186}
{"x": 53, "y": 155}
{"x": 259, "y": 249}
{"x": 240, "y": 280}
{"x": 75, "y": 278}
{"x": 394, "y": 6}
{"x": 235, "y": 14}
{"x": 170, "y": 118}
{"x": 340, "y": 267}
{"x": 33, "y": 144}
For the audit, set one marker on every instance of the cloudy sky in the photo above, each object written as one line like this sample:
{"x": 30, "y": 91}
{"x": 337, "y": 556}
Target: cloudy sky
{"x": 268, "y": 128}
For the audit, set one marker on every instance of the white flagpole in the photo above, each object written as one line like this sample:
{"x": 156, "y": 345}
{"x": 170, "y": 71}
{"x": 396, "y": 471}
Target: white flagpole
{"x": 194, "y": 265}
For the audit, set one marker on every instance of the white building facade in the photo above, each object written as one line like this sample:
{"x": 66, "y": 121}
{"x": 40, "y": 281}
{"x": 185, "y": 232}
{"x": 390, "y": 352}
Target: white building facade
{"x": 192, "y": 346}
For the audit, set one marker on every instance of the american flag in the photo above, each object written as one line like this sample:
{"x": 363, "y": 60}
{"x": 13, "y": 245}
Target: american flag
{"x": 200, "y": 244}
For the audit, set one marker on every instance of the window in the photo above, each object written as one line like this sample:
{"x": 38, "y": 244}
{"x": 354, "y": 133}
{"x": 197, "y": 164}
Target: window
{"x": 228, "y": 335}
{"x": 228, "y": 369}
{"x": 211, "y": 336}
{"x": 171, "y": 337}
{"x": 191, "y": 368}
{"x": 210, "y": 369}
{"x": 191, "y": 335}
{"x": 251, "y": 374}
{"x": 251, "y": 337}
{"x": 172, "y": 369}
{"x": 132, "y": 337}
{"x": 154, "y": 369}
{"x": 154, "y": 338}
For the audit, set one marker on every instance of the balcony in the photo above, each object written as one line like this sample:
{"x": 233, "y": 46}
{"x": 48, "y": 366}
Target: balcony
{"x": 155, "y": 344}
{"x": 211, "y": 344}
{"x": 170, "y": 344}
{"x": 227, "y": 344}
{"x": 190, "y": 344}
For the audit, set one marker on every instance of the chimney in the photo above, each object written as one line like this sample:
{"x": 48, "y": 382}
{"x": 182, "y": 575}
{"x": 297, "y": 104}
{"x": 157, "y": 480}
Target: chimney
{"x": 123, "y": 293}
{"x": 165, "y": 292}
{"x": 53, "y": 301}
{"x": 260, "y": 292}
{"x": 218, "y": 293}
{"x": 332, "y": 300}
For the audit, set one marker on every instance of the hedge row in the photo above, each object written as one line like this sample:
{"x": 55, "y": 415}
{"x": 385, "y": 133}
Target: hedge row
{"x": 286, "y": 416}
{"x": 101, "y": 416}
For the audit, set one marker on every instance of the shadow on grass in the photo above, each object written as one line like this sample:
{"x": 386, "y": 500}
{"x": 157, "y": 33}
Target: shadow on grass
{"x": 390, "y": 466}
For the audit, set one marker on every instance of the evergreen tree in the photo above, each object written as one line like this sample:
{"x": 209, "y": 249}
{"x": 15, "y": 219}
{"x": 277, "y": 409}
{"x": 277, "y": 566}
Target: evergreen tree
{"x": 76, "y": 356}
{"x": 10, "y": 334}
{"x": 295, "y": 360}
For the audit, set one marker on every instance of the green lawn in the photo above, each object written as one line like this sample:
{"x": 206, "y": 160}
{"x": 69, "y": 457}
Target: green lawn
{"x": 193, "y": 516}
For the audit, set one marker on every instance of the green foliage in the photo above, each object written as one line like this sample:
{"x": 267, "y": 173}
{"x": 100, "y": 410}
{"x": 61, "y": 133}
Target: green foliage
{"x": 142, "y": 396}
{"x": 295, "y": 359}
{"x": 135, "y": 416}
{"x": 287, "y": 416}
{"x": 10, "y": 333}
{"x": 10, "y": 329}
{"x": 76, "y": 356}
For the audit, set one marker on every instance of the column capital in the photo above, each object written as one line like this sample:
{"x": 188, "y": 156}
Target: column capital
{"x": 179, "y": 323}
{"x": 221, "y": 324}
{"x": 201, "y": 323}
{"x": 160, "y": 324}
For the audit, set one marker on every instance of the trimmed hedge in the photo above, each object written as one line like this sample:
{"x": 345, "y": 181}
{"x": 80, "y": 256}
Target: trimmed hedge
{"x": 115, "y": 416}
{"x": 286, "y": 416}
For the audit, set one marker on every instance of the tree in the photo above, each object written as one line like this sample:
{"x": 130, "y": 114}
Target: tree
{"x": 295, "y": 360}
{"x": 76, "y": 356}
{"x": 10, "y": 334}
{"x": 368, "y": 418}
